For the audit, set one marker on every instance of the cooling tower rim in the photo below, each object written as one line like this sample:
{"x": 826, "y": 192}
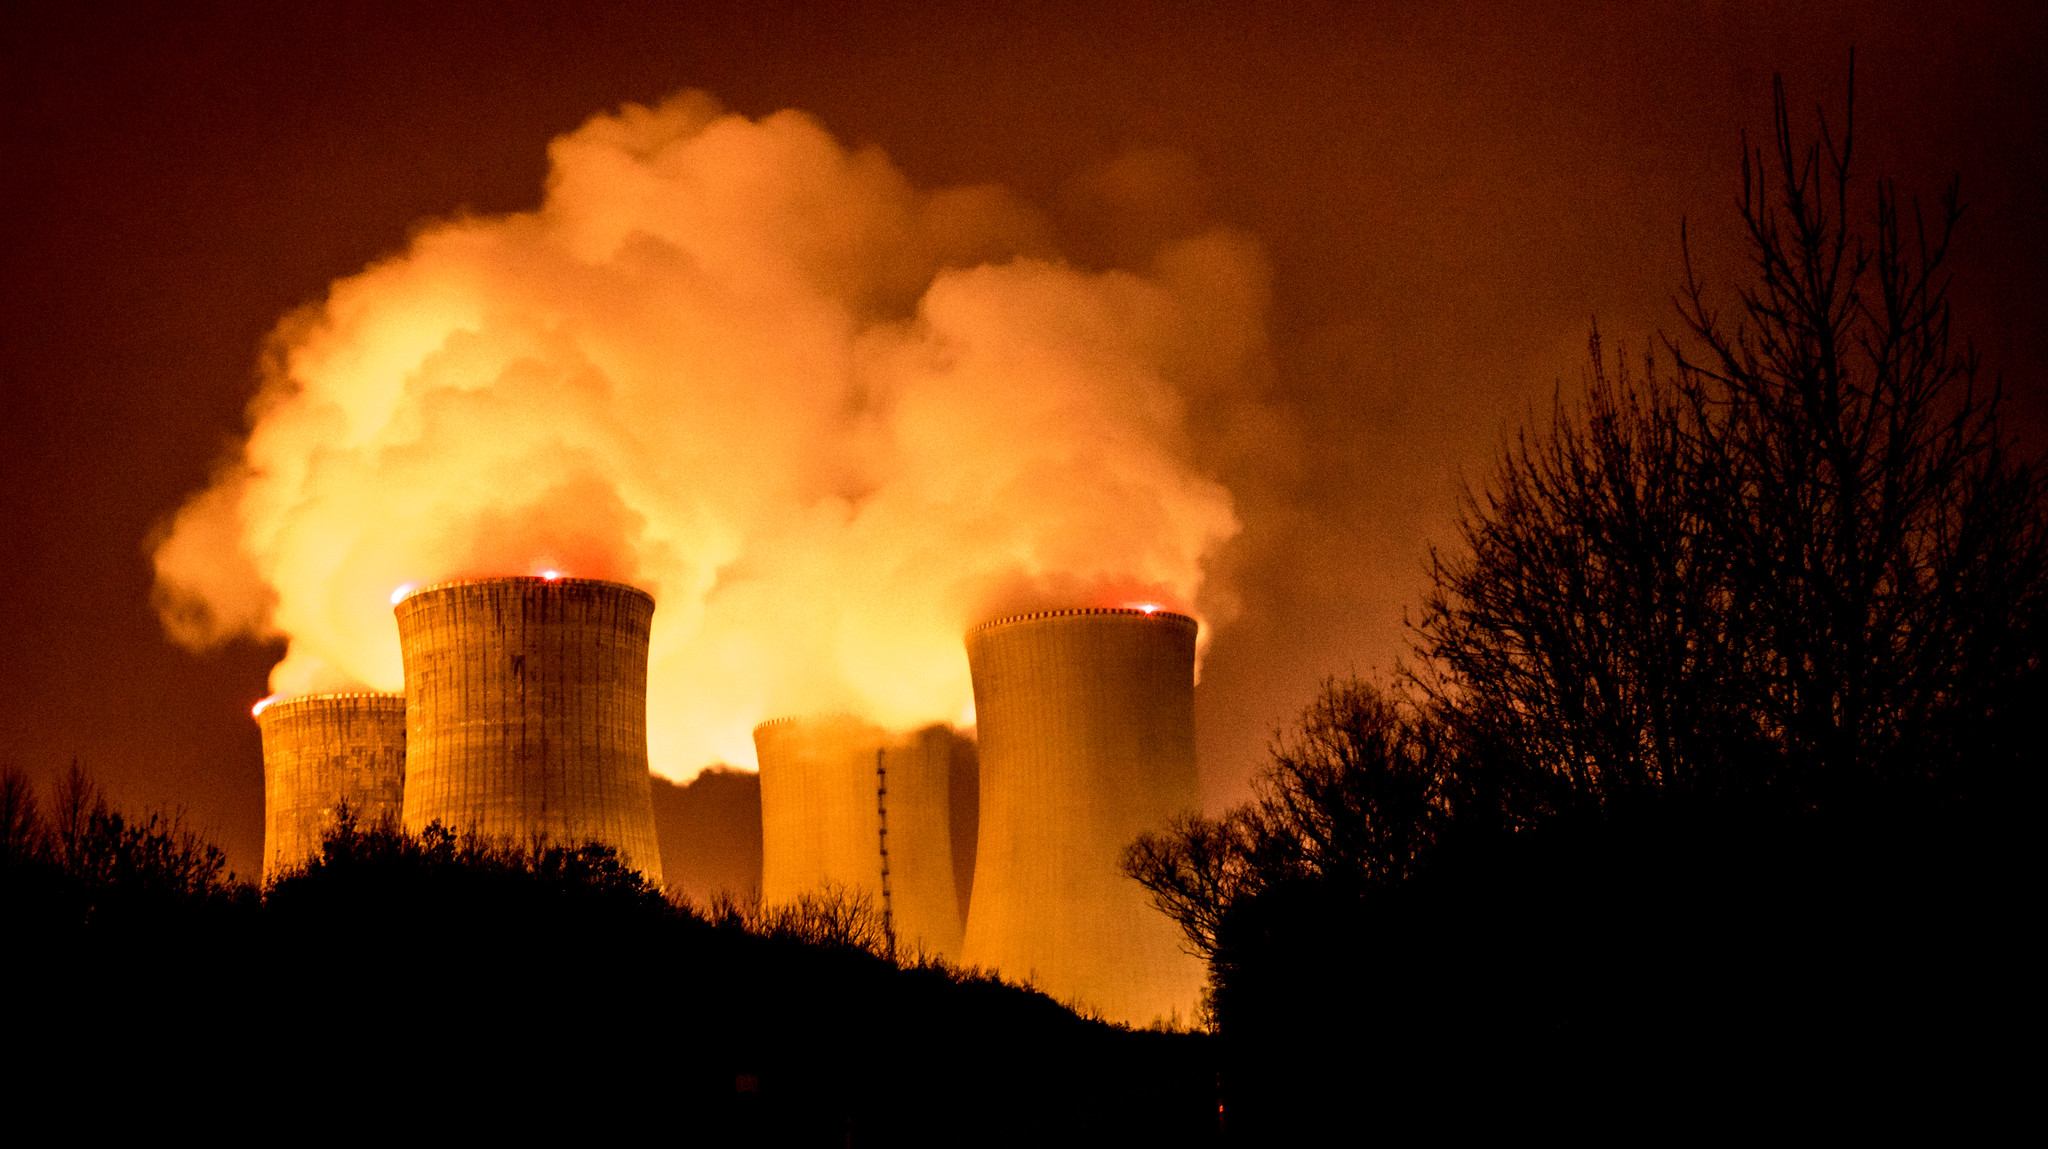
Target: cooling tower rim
{"x": 564, "y": 580}
{"x": 818, "y": 719}
{"x": 1167, "y": 616}
{"x": 297, "y": 701}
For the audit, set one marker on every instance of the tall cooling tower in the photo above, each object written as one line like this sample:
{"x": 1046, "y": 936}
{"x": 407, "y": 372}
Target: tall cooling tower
{"x": 526, "y": 712}
{"x": 828, "y": 814}
{"x": 1087, "y": 740}
{"x": 319, "y": 751}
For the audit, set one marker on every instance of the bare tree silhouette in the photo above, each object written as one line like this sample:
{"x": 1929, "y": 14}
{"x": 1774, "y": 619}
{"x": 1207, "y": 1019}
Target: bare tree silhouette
{"x": 1355, "y": 796}
{"x": 1805, "y": 564}
{"x": 1735, "y": 654}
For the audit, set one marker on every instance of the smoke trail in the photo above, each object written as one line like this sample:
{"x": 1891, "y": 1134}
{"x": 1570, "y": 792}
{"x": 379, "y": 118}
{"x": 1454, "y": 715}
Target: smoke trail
{"x": 827, "y": 418}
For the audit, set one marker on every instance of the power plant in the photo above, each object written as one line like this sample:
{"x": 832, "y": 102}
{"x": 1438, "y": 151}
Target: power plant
{"x": 524, "y": 718}
{"x": 1086, "y": 731}
{"x": 849, "y": 807}
{"x": 526, "y": 712}
{"x": 320, "y": 751}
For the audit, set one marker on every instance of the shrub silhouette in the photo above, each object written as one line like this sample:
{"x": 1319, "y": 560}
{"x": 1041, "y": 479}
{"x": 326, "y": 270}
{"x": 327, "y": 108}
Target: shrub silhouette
{"x": 383, "y": 874}
{"x": 1357, "y": 795}
{"x": 1713, "y": 756}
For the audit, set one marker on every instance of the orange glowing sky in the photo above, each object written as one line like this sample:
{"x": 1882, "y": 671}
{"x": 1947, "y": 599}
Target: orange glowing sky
{"x": 1439, "y": 198}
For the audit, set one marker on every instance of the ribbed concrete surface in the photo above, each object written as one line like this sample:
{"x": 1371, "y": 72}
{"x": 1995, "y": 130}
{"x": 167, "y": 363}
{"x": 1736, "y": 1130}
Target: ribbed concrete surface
{"x": 1087, "y": 739}
{"x": 526, "y": 712}
{"x": 320, "y": 750}
{"x": 821, "y": 825}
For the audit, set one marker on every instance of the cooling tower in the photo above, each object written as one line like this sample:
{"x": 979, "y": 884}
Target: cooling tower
{"x": 319, "y": 751}
{"x": 1087, "y": 739}
{"x": 526, "y": 712}
{"x": 830, "y": 810}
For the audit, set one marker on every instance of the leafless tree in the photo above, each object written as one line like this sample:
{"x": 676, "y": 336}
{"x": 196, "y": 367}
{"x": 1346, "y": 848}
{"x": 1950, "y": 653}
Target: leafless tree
{"x": 1887, "y": 545}
{"x": 23, "y": 836}
{"x": 1791, "y": 563}
{"x": 1806, "y": 563}
{"x": 1355, "y": 795}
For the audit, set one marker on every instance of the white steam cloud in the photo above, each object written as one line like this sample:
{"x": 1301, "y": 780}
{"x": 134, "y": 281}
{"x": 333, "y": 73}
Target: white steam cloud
{"x": 829, "y": 420}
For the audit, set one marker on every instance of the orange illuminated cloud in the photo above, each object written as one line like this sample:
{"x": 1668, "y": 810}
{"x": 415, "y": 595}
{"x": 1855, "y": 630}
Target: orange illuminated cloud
{"x": 830, "y": 420}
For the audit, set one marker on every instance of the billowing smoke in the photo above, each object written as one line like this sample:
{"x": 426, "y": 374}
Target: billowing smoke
{"x": 827, "y": 418}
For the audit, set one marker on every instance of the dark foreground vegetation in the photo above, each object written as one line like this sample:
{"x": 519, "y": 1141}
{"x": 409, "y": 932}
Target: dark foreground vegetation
{"x": 431, "y": 983}
{"x": 1710, "y": 794}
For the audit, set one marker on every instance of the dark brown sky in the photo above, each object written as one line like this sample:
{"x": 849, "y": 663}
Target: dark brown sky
{"x": 1449, "y": 194}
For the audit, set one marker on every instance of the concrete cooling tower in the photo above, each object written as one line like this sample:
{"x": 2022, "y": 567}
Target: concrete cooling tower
{"x": 319, "y": 751}
{"x": 526, "y": 712}
{"x": 1087, "y": 739}
{"x": 833, "y": 815}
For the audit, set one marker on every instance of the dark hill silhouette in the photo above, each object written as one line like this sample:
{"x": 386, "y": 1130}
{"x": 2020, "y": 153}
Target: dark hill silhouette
{"x": 433, "y": 984}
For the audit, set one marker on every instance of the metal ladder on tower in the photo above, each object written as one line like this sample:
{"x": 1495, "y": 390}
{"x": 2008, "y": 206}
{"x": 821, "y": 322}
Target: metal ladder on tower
{"x": 882, "y": 816}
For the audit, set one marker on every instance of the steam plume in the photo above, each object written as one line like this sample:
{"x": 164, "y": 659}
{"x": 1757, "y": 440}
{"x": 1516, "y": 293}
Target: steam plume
{"x": 827, "y": 418}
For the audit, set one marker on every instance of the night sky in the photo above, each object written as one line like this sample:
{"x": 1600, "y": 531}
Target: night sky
{"x": 1449, "y": 196}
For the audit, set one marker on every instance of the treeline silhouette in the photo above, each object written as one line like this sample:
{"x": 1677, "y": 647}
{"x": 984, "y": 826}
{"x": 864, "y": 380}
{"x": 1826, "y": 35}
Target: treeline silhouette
{"x": 78, "y": 861}
{"x": 436, "y": 981}
{"x": 1710, "y": 786}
